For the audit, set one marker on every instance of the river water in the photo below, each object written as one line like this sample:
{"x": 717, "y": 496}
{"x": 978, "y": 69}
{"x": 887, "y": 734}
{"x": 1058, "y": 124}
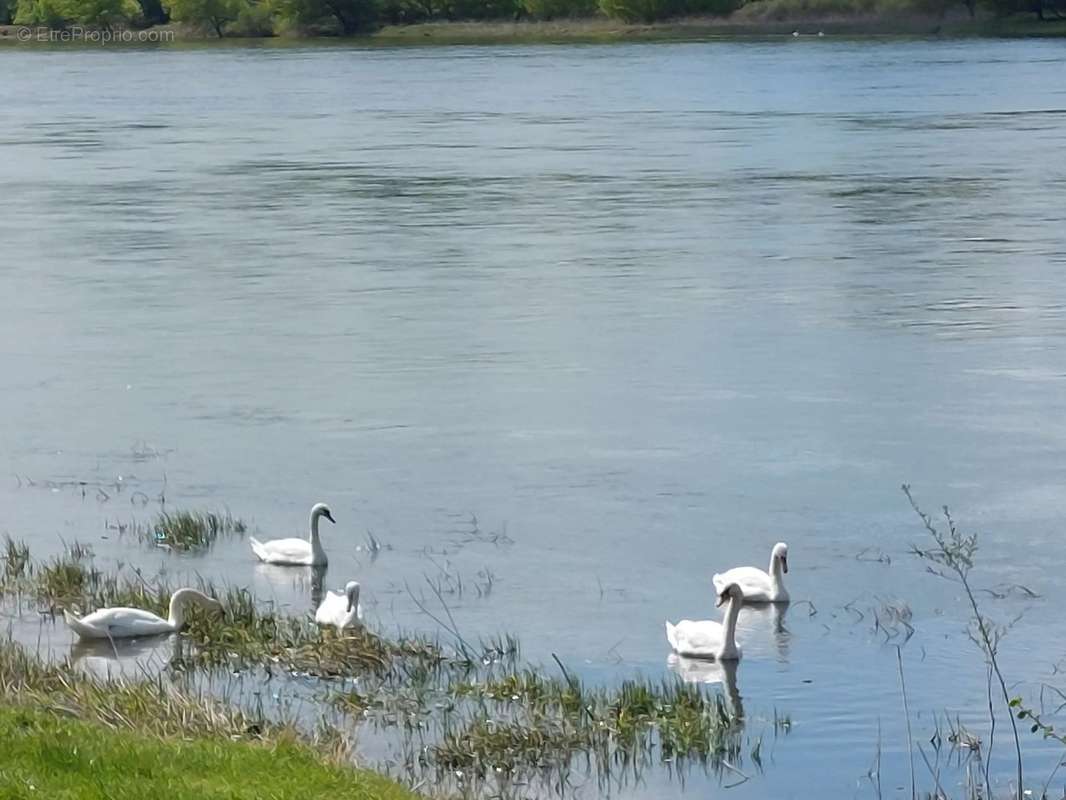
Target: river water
{"x": 577, "y": 325}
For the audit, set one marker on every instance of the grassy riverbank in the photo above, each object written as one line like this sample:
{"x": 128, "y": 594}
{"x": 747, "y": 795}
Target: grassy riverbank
{"x": 778, "y": 23}
{"x": 52, "y": 754}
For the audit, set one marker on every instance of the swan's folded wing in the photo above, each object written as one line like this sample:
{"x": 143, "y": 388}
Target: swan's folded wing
{"x": 333, "y": 607}
{"x": 287, "y": 549}
{"x": 747, "y": 578}
{"x": 126, "y": 621}
{"x": 699, "y": 637}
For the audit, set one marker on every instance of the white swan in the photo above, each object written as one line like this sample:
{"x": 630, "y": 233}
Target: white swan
{"x": 126, "y": 623}
{"x": 340, "y": 609}
{"x": 296, "y": 551}
{"x": 707, "y": 638}
{"x": 759, "y": 586}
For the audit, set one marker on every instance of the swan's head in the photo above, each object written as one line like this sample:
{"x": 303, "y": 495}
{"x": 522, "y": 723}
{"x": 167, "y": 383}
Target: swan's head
{"x": 322, "y": 510}
{"x": 184, "y": 597}
{"x": 731, "y": 592}
{"x": 780, "y": 553}
{"x": 214, "y": 607}
{"x": 352, "y": 590}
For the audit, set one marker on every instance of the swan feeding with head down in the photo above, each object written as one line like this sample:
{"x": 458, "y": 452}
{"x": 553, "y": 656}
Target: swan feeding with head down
{"x": 759, "y": 586}
{"x": 298, "y": 552}
{"x": 707, "y": 638}
{"x": 340, "y": 609}
{"x": 127, "y": 623}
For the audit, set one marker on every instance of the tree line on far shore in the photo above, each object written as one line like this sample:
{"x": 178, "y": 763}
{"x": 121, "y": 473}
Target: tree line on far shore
{"x": 350, "y": 17}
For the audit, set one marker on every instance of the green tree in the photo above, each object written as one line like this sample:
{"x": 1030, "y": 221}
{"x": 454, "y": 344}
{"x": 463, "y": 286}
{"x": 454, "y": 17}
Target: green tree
{"x": 350, "y": 16}
{"x": 152, "y": 12}
{"x": 400, "y": 12}
{"x": 718, "y": 8}
{"x": 52, "y": 13}
{"x": 212, "y": 14}
{"x": 104, "y": 13}
{"x": 550, "y": 9}
{"x": 60, "y": 13}
{"x": 640, "y": 10}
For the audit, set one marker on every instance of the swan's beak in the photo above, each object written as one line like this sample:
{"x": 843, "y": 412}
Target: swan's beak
{"x": 349, "y": 605}
{"x": 329, "y": 516}
{"x": 721, "y": 600}
{"x": 784, "y": 564}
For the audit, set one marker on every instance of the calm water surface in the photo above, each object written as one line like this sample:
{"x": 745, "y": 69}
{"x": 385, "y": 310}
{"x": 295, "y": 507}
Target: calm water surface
{"x": 592, "y": 321}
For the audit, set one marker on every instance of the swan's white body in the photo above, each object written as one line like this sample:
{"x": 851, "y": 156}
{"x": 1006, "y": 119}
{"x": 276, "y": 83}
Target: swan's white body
{"x": 759, "y": 586}
{"x": 127, "y": 623}
{"x": 340, "y": 609}
{"x": 298, "y": 552}
{"x": 707, "y": 638}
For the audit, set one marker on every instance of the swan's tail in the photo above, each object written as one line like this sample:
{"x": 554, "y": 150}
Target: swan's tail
{"x": 79, "y": 627}
{"x": 257, "y": 548}
{"x": 671, "y": 635}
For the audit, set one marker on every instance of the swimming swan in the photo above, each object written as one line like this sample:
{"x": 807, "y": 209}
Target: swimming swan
{"x": 340, "y": 609}
{"x": 296, "y": 551}
{"x": 759, "y": 586}
{"x": 126, "y": 623}
{"x": 707, "y": 638}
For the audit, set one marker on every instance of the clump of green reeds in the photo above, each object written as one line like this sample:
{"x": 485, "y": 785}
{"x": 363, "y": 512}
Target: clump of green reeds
{"x": 190, "y": 530}
{"x": 62, "y": 580}
{"x": 15, "y": 559}
{"x": 525, "y": 721}
{"x": 485, "y": 746}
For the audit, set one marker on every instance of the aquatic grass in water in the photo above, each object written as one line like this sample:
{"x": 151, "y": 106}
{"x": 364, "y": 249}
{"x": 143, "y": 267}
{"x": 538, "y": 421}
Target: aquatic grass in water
{"x": 153, "y": 706}
{"x": 15, "y": 557}
{"x": 523, "y": 726}
{"x": 190, "y": 530}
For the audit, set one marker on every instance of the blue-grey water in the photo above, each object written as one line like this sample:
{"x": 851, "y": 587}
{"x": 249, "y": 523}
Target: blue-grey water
{"x": 585, "y": 323}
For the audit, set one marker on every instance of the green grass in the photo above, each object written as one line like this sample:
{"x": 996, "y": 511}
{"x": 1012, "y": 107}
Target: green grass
{"x": 69, "y": 759}
{"x": 190, "y": 530}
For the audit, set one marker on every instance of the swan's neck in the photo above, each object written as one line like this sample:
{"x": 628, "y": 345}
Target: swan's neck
{"x": 776, "y": 571}
{"x": 179, "y": 604}
{"x": 177, "y": 610}
{"x": 316, "y": 545}
{"x": 732, "y": 612}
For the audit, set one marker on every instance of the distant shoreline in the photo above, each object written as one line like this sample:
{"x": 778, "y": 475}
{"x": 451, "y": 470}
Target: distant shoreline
{"x": 584, "y": 31}
{"x": 710, "y": 28}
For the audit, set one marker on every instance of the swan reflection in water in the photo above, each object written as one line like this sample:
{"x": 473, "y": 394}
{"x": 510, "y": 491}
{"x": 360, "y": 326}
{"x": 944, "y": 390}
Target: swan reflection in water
{"x": 706, "y": 671}
{"x": 105, "y": 658}
{"x": 761, "y": 629}
{"x": 299, "y": 579}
